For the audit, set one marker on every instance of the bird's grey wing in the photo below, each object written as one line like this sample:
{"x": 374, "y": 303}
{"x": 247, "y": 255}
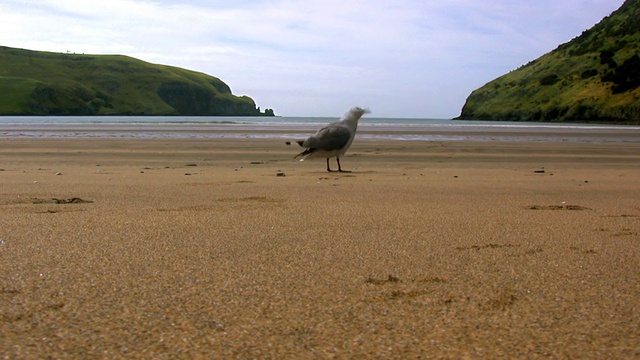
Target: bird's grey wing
{"x": 332, "y": 137}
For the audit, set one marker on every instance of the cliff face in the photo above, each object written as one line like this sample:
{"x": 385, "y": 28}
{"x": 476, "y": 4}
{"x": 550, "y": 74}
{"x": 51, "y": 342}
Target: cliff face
{"x": 594, "y": 77}
{"x": 44, "y": 83}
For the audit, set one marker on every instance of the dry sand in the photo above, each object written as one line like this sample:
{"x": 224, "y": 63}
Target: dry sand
{"x": 193, "y": 248}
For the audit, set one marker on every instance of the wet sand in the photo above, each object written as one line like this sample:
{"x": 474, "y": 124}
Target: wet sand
{"x": 228, "y": 248}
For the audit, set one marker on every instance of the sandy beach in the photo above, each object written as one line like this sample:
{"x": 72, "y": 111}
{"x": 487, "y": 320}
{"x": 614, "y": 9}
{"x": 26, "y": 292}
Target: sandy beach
{"x": 228, "y": 248}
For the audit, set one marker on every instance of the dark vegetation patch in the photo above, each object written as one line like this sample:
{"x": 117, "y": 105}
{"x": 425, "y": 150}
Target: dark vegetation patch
{"x": 626, "y": 76}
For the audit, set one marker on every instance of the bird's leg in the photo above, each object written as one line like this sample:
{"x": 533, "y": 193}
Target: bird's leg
{"x": 339, "y": 167}
{"x": 328, "y": 167}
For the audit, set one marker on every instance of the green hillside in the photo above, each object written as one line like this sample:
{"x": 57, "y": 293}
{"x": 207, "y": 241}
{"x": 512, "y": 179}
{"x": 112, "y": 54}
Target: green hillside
{"x": 595, "y": 77}
{"x": 45, "y": 83}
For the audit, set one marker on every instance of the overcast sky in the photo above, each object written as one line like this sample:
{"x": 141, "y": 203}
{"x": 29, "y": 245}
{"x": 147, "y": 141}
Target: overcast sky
{"x": 400, "y": 58}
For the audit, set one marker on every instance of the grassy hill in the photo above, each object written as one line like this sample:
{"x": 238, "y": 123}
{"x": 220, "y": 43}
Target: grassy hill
{"x": 45, "y": 83}
{"x": 594, "y": 77}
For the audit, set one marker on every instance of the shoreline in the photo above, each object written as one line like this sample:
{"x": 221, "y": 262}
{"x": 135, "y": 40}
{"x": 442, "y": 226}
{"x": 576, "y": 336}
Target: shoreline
{"x": 506, "y": 133}
{"x": 464, "y": 149}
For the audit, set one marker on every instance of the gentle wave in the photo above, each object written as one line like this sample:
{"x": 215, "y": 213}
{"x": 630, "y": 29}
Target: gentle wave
{"x": 301, "y": 127}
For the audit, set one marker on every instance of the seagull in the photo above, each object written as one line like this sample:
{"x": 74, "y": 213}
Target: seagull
{"x": 334, "y": 139}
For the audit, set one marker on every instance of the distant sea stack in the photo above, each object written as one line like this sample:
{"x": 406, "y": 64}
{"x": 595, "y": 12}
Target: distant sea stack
{"x": 46, "y": 83}
{"x": 593, "y": 78}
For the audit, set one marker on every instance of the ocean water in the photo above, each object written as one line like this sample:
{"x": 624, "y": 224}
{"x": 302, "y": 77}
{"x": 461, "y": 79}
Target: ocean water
{"x": 301, "y": 127}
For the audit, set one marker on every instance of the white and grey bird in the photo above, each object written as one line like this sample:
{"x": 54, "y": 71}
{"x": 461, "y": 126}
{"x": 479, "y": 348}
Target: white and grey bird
{"x": 334, "y": 139}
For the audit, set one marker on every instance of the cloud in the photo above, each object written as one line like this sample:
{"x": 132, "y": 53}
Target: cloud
{"x": 406, "y": 58}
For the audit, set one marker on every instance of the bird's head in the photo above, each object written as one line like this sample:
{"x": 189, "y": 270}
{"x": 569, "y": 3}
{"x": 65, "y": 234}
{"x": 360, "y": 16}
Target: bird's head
{"x": 355, "y": 113}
